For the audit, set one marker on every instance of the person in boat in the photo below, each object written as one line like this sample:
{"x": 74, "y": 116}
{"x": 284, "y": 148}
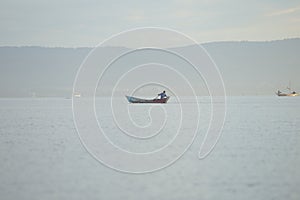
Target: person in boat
{"x": 294, "y": 92}
{"x": 163, "y": 95}
{"x": 278, "y": 92}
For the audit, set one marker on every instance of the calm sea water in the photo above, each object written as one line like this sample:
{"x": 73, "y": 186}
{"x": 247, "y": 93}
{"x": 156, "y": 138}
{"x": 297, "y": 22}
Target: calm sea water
{"x": 257, "y": 157}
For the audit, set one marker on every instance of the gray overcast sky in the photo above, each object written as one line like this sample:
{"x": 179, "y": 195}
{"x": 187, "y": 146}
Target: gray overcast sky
{"x": 70, "y": 23}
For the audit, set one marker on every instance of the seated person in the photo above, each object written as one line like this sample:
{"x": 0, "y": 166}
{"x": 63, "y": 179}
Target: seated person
{"x": 163, "y": 95}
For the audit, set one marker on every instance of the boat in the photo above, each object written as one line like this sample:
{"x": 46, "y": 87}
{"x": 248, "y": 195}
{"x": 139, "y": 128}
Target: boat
{"x": 139, "y": 100}
{"x": 290, "y": 94}
{"x": 77, "y": 94}
{"x": 281, "y": 94}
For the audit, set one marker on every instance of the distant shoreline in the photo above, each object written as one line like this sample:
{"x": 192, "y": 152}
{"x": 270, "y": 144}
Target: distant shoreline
{"x": 202, "y": 43}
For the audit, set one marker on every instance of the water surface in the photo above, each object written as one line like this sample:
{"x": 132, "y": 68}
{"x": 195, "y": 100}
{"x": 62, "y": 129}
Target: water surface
{"x": 257, "y": 157}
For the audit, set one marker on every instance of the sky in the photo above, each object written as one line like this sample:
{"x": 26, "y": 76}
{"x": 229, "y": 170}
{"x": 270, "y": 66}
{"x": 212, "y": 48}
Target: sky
{"x": 70, "y": 23}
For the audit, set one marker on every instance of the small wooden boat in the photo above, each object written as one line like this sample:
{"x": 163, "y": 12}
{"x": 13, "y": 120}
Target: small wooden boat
{"x": 290, "y": 94}
{"x": 293, "y": 94}
{"x": 138, "y": 100}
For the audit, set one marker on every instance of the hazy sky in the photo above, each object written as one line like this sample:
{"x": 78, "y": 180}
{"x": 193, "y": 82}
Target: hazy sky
{"x": 72, "y": 23}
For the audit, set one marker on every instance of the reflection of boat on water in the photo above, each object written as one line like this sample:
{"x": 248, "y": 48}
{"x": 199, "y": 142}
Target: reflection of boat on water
{"x": 289, "y": 94}
{"x": 138, "y": 100}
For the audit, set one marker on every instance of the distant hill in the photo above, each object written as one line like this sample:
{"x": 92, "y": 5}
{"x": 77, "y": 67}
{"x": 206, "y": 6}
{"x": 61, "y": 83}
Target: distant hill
{"x": 257, "y": 67}
{"x": 248, "y": 68}
{"x": 39, "y": 70}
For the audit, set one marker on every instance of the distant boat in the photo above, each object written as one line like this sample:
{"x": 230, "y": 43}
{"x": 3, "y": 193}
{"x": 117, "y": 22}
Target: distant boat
{"x": 281, "y": 94}
{"x": 138, "y": 100}
{"x": 77, "y": 94}
{"x": 289, "y": 94}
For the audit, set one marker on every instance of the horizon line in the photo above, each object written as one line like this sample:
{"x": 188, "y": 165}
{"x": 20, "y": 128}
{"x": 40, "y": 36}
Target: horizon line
{"x": 203, "y": 43}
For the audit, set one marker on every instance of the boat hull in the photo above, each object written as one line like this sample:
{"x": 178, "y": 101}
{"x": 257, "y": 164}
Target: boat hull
{"x": 287, "y": 95}
{"x": 138, "y": 100}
